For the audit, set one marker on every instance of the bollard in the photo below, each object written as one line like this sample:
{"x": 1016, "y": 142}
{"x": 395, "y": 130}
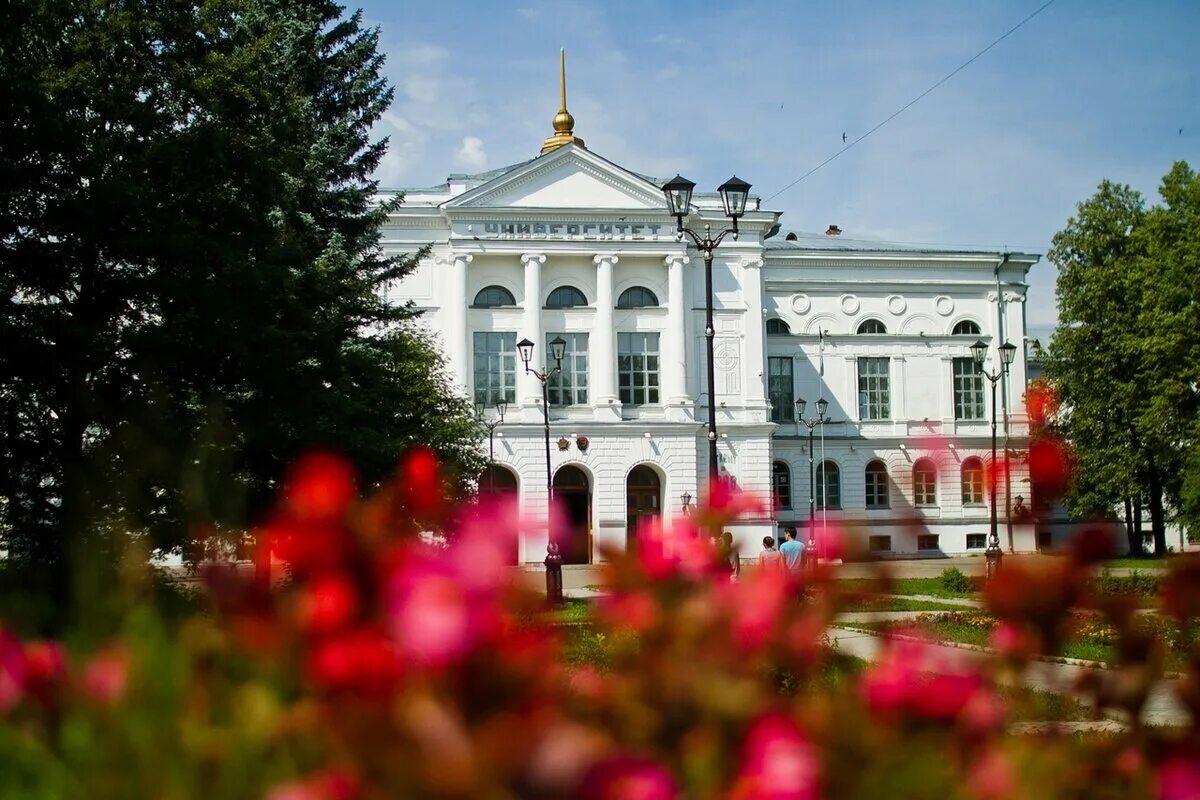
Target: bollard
{"x": 993, "y": 555}
{"x": 554, "y": 585}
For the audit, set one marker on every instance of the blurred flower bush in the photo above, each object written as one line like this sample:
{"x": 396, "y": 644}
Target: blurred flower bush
{"x": 387, "y": 666}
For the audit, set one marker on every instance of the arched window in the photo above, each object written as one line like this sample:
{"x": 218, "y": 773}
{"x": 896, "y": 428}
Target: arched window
{"x": 872, "y": 326}
{"x": 777, "y": 327}
{"x": 829, "y": 485}
{"x": 637, "y": 297}
{"x": 972, "y": 482}
{"x": 876, "y": 479}
{"x": 494, "y": 297}
{"x": 966, "y": 328}
{"x": 566, "y": 297}
{"x": 924, "y": 483}
{"x": 781, "y": 485}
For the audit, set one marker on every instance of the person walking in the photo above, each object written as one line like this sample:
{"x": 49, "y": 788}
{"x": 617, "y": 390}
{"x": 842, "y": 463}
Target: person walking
{"x": 730, "y": 561}
{"x": 792, "y": 552}
{"x": 770, "y": 558}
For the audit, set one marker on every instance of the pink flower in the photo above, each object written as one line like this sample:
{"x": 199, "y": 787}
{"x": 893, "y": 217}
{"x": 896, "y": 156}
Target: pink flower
{"x": 1179, "y": 778}
{"x": 679, "y": 550}
{"x": 13, "y": 668}
{"x": 757, "y": 604}
{"x": 326, "y": 786}
{"x": 106, "y": 675}
{"x": 984, "y": 712}
{"x": 778, "y": 762}
{"x": 627, "y": 778}
{"x": 991, "y": 776}
{"x": 434, "y": 620}
{"x": 913, "y": 678}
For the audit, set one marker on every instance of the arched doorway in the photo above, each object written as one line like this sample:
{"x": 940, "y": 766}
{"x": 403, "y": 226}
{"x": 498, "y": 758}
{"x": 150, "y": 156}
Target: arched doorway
{"x": 643, "y": 500}
{"x": 573, "y": 494}
{"x": 498, "y": 484}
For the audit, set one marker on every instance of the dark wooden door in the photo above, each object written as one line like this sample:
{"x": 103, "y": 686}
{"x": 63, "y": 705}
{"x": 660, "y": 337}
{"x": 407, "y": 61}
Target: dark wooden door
{"x": 573, "y": 494}
{"x": 643, "y": 500}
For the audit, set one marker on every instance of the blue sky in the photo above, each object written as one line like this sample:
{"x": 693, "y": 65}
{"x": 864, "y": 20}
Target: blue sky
{"x": 996, "y": 157}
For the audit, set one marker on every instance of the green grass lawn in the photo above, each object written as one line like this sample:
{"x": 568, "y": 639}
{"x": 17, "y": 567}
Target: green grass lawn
{"x": 885, "y": 603}
{"x": 931, "y": 587}
{"x": 1146, "y": 562}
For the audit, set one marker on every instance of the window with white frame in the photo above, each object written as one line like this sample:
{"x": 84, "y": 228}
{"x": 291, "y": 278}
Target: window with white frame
{"x": 637, "y": 368}
{"x": 876, "y": 480}
{"x": 874, "y": 393}
{"x": 924, "y": 483}
{"x": 972, "y": 482}
{"x": 968, "y": 389}
{"x": 570, "y": 386}
{"x": 928, "y": 541}
{"x": 976, "y": 541}
{"x": 495, "y": 368}
{"x": 829, "y": 485}
{"x": 780, "y": 389}
{"x": 781, "y": 485}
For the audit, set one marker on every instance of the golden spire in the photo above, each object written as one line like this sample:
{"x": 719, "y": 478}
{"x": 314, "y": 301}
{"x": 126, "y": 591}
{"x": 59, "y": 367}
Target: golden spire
{"x": 564, "y": 123}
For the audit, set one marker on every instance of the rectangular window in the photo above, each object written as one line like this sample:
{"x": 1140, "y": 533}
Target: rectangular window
{"x": 874, "y": 397}
{"x": 570, "y": 387}
{"x": 928, "y": 541}
{"x": 968, "y": 389}
{"x": 495, "y": 368}
{"x": 879, "y": 544}
{"x": 976, "y": 541}
{"x": 637, "y": 368}
{"x": 877, "y": 488}
{"x": 780, "y": 389}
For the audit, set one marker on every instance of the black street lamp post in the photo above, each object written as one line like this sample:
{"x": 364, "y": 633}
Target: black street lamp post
{"x": 734, "y": 194}
{"x": 979, "y": 352}
{"x": 491, "y": 426}
{"x": 558, "y": 348}
{"x": 822, "y": 407}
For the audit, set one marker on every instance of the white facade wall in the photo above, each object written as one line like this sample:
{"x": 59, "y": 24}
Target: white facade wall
{"x": 570, "y": 218}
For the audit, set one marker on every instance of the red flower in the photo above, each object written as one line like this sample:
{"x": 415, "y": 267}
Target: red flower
{"x": 321, "y": 487}
{"x": 420, "y": 482}
{"x": 327, "y": 603}
{"x": 362, "y": 660}
{"x": 106, "y": 675}
{"x": 46, "y": 664}
{"x": 627, "y": 778}
{"x": 1179, "y": 778}
{"x": 13, "y": 667}
{"x": 778, "y": 762}
{"x": 914, "y": 679}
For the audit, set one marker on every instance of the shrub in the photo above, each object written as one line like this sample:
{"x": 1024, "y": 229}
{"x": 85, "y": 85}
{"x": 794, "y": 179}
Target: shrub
{"x": 953, "y": 580}
{"x": 1138, "y": 584}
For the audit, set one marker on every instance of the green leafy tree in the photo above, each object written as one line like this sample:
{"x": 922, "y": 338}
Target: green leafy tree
{"x": 191, "y": 270}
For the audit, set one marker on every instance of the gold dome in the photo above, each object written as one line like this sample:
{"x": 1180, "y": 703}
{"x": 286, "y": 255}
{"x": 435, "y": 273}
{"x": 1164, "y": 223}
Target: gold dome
{"x": 564, "y": 123}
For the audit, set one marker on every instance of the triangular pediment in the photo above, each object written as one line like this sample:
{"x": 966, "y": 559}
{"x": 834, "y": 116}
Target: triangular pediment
{"x": 569, "y": 177}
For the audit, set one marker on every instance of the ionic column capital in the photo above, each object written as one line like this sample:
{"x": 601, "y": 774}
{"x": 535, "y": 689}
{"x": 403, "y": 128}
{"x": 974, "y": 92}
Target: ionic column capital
{"x": 679, "y": 259}
{"x": 752, "y": 263}
{"x": 465, "y": 258}
{"x": 538, "y": 258}
{"x": 600, "y": 258}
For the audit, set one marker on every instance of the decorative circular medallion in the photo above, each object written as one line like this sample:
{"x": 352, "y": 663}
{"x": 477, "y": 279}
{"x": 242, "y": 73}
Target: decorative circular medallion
{"x": 896, "y": 304}
{"x": 850, "y": 304}
{"x": 801, "y": 304}
{"x": 943, "y": 305}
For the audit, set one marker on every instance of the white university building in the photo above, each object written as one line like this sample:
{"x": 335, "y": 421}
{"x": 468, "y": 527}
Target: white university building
{"x": 571, "y": 245}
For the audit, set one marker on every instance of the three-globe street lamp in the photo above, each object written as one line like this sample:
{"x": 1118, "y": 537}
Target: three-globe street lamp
{"x": 734, "y": 194}
{"x": 1008, "y": 352}
{"x": 558, "y": 348}
{"x": 822, "y": 406}
{"x": 480, "y": 408}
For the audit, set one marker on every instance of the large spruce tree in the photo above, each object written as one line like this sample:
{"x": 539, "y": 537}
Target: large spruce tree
{"x": 191, "y": 271}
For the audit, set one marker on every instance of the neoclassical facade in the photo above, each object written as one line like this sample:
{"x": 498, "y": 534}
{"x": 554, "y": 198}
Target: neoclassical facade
{"x": 571, "y": 245}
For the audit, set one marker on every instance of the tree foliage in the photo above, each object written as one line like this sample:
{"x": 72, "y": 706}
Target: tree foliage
{"x": 1123, "y": 358}
{"x": 191, "y": 267}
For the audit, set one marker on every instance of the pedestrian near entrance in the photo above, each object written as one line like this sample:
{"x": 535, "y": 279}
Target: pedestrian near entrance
{"x": 770, "y": 558}
{"x": 792, "y": 552}
{"x": 730, "y": 563}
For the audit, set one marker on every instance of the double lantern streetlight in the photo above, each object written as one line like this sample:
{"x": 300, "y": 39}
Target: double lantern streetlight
{"x": 1008, "y": 352}
{"x": 558, "y": 348}
{"x": 822, "y": 406}
{"x": 491, "y": 425}
{"x": 734, "y": 194}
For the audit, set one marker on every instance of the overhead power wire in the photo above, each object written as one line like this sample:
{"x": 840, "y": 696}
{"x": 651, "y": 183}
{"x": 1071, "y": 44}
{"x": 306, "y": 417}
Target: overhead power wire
{"x": 916, "y": 99}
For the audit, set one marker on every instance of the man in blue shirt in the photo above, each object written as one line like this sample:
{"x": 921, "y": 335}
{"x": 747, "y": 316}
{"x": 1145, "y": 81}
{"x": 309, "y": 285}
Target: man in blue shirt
{"x": 792, "y": 552}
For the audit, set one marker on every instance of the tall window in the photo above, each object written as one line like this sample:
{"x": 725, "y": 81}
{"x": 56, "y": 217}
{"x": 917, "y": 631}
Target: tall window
{"x": 874, "y": 397}
{"x": 872, "y": 326}
{"x": 566, "y": 297}
{"x": 924, "y": 483}
{"x": 968, "y": 389}
{"x": 637, "y": 297}
{"x": 965, "y": 328}
{"x": 972, "y": 482}
{"x": 570, "y": 386}
{"x": 780, "y": 389}
{"x": 829, "y": 485}
{"x": 495, "y": 368}
{"x": 637, "y": 368}
{"x": 876, "y": 479}
{"x": 781, "y": 485}
{"x": 493, "y": 297}
{"x": 777, "y": 327}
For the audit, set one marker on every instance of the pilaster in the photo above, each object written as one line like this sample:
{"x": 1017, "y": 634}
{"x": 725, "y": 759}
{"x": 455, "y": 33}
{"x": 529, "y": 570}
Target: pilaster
{"x": 603, "y": 364}
{"x": 529, "y": 386}
{"x": 459, "y": 335}
{"x": 675, "y": 363}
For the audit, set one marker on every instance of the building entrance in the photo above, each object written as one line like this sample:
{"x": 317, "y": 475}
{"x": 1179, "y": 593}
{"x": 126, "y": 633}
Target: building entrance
{"x": 643, "y": 501}
{"x": 573, "y": 494}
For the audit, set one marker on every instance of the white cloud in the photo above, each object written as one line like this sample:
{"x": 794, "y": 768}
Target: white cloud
{"x": 470, "y": 153}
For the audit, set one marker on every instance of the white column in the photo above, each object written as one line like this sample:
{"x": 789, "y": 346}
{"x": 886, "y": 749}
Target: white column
{"x": 459, "y": 344}
{"x": 602, "y": 342}
{"x": 675, "y": 373}
{"x": 531, "y": 329}
{"x": 754, "y": 384}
